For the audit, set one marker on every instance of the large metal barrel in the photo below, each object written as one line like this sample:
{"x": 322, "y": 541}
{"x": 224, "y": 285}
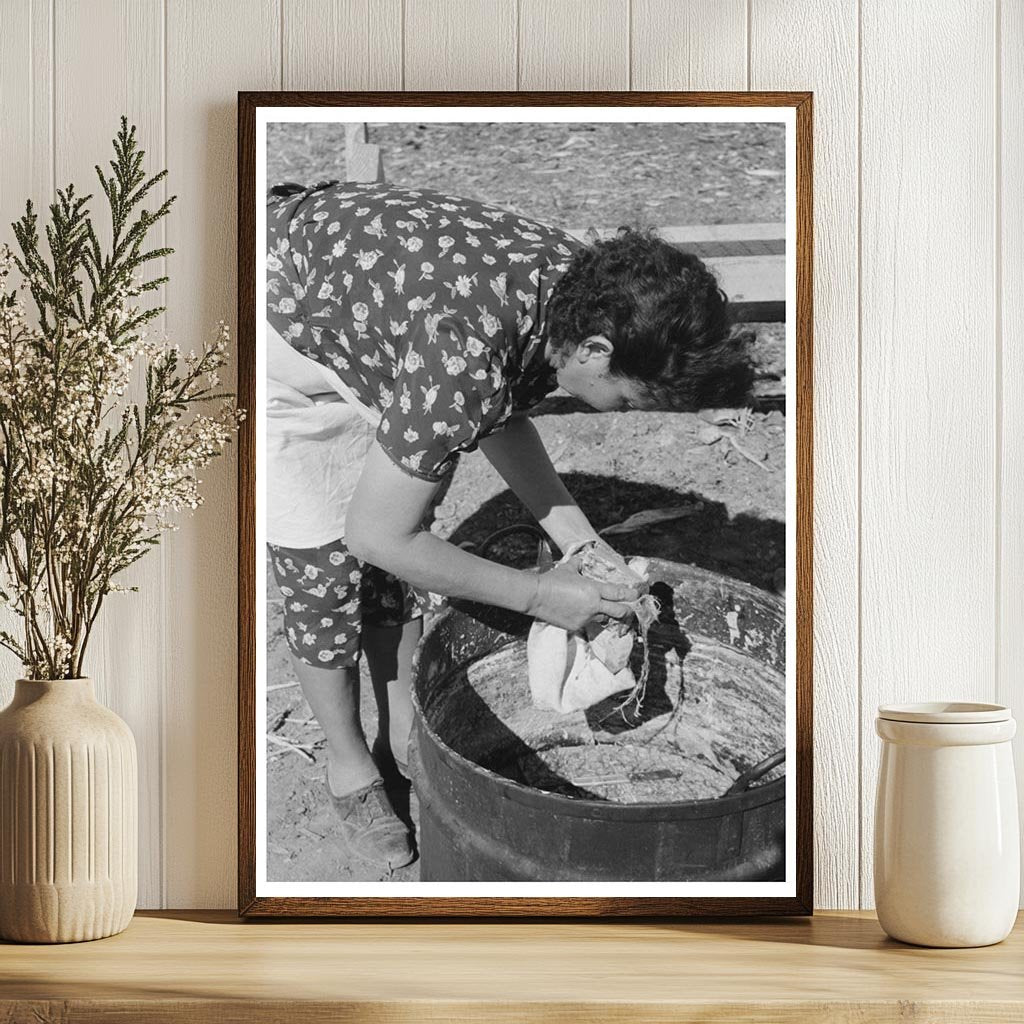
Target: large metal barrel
{"x": 479, "y": 824}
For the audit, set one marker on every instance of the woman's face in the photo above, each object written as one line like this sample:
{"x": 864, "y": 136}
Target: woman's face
{"x": 584, "y": 374}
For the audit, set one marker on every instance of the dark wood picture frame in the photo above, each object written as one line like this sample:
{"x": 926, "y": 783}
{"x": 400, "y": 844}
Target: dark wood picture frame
{"x": 612, "y": 906}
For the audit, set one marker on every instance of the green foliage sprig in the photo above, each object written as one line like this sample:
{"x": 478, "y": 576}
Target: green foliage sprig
{"x": 89, "y": 476}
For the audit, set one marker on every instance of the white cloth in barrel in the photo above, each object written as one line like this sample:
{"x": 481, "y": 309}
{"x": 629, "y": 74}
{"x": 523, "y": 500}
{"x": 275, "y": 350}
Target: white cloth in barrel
{"x": 573, "y": 671}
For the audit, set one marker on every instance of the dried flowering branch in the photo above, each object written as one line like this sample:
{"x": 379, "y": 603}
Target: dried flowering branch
{"x": 89, "y": 478}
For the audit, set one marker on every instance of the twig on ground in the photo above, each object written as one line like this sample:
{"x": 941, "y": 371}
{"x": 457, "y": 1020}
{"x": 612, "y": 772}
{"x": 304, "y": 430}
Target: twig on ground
{"x": 281, "y": 719}
{"x": 296, "y": 748}
{"x": 732, "y": 440}
{"x": 651, "y": 517}
{"x": 724, "y": 425}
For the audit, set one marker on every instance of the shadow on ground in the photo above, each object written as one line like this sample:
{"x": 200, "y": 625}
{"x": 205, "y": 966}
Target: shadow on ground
{"x": 744, "y": 547}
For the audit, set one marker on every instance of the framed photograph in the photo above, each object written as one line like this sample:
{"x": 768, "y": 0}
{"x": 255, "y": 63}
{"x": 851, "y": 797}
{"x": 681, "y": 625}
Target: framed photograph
{"x": 525, "y": 496}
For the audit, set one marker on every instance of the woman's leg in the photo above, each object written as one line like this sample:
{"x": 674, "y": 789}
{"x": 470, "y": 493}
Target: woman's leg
{"x": 333, "y": 696}
{"x": 389, "y": 651}
{"x": 320, "y": 587}
{"x": 321, "y": 591}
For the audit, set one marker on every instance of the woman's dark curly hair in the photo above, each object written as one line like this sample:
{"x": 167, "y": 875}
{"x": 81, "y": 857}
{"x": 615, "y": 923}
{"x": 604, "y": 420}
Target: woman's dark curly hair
{"x": 664, "y": 314}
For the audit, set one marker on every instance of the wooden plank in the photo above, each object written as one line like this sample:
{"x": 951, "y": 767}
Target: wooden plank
{"x": 714, "y": 239}
{"x": 126, "y": 656}
{"x": 209, "y": 967}
{"x": 756, "y": 285}
{"x": 689, "y": 44}
{"x": 814, "y": 46}
{"x": 342, "y": 44}
{"x": 757, "y": 280}
{"x": 754, "y": 247}
{"x": 208, "y": 61}
{"x": 468, "y": 45}
{"x": 724, "y": 233}
{"x": 759, "y": 311}
{"x": 26, "y": 169}
{"x": 1010, "y": 263}
{"x": 693, "y": 240}
{"x": 928, "y": 412}
{"x": 363, "y": 160}
{"x": 574, "y": 44}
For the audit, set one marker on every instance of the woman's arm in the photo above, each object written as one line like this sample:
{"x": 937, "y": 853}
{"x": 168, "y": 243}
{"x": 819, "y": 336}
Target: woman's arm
{"x": 519, "y": 455}
{"x": 383, "y": 528}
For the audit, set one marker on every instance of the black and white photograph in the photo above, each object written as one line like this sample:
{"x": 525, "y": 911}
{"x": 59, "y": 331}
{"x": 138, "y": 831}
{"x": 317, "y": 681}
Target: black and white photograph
{"x": 524, "y": 502}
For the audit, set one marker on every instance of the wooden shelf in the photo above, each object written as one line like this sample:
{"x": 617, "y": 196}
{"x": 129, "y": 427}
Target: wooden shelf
{"x": 209, "y": 966}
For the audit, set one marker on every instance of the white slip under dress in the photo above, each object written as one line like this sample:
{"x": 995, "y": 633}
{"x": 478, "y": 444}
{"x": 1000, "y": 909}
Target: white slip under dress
{"x": 318, "y": 434}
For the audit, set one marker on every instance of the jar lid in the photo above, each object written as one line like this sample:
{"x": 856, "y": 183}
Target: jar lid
{"x": 944, "y": 713}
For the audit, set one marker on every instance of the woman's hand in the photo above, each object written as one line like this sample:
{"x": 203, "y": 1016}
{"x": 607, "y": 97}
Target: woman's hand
{"x": 383, "y": 527}
{"x": 602, "y": 547}
{"x": 566, "y": 598}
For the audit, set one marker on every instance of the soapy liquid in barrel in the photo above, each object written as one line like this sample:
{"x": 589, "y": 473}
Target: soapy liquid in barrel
{"x": 622, "y": 773}
{"x": 710, "y": 713}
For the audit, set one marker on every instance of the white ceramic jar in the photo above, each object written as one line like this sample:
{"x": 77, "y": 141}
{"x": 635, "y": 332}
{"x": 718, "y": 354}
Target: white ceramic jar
{"x": 947, "y": 846}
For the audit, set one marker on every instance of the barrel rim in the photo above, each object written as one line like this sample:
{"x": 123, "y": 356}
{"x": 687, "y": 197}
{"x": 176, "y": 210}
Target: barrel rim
{"x": 755, "y": 796}
{"x": 528, "y": 794}
{"x": 768, "y": 597}
{"x": 582, "y": 807}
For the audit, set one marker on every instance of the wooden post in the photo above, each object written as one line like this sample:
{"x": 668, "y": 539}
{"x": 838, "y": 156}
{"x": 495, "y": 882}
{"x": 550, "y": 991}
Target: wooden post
{"x": 363, "y": 161}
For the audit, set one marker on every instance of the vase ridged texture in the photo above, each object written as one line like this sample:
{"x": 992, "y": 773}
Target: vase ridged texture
{"x": 68, "y": 815}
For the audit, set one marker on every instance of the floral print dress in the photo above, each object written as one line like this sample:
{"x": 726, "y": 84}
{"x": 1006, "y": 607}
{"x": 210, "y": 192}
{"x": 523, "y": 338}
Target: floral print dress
{"x": 430, "y": 309}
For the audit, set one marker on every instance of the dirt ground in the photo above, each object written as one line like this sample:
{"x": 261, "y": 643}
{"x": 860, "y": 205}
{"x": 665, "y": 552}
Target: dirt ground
{"x": 569, "y": 175}
{"x": 730, "y": 475}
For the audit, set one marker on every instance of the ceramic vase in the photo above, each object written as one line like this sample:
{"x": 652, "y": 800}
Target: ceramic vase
{"x": 947, "y": 846}
{"x": 68, "y": 815}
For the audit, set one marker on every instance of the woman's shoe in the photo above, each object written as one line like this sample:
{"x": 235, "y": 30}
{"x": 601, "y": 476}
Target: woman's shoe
{"x": 368, "y": 827}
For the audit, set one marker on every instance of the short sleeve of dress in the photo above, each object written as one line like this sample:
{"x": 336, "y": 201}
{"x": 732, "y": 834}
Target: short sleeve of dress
{"x": 288, "y": 262}
{"x": 451, "y": 389}
{"x": 284, "y": 292}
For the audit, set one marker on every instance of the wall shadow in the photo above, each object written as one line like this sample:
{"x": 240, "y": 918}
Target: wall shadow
{"x": 765, "y": 398}
{"x": 745, "y": 547}
{"x": 560, "y": 405}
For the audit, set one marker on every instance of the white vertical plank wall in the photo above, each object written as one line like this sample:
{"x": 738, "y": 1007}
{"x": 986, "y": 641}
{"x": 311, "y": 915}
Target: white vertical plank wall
{"x": 780, "y": 58}
{"x": 213, "y": 51}
{"x": 919, "y": 316}
{"x": 1008, "y": 217}
{"x": 341, "y": 44}
{"x": 928, "y": 513}
{"x": 698, "y": 45}
{"x": 26, "y": 158}
{"x": 574, "y": 44}
{"x": 128, "y": 664}
{"x": 464, "y": 46}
